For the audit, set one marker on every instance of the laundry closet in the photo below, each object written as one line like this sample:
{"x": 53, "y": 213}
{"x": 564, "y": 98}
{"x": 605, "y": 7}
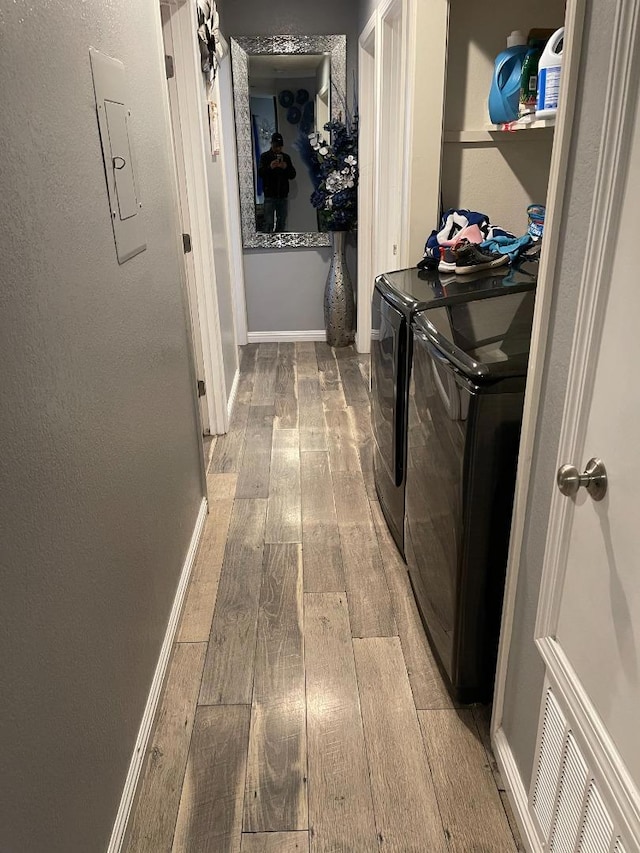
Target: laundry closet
{"x": 484, "y": 167}
{"x": 450, "y": 343}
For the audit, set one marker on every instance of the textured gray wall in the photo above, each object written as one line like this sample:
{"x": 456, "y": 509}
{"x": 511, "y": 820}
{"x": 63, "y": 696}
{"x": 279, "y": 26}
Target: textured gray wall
{"x": 100, "y": 464}
{"x": 298, "y": 275}
{"x": 366, "y": 8}
{"x": 285, "y": 294}
{"x": 526, "y": 672}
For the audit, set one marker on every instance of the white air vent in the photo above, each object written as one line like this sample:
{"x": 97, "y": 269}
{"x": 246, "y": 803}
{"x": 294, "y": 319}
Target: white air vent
{"x": 572, "y": 813}
{"x": 573, "y": 781}
{"x": 549, "y": 763}
{"x": 597, "y": 828}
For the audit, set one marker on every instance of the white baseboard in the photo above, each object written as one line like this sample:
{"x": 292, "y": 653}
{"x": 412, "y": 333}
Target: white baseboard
{"x": 516, "y": 791}
{"x": 286, "y": 337}
{"x": 140, "y": 749}
{"x": 232, "y": 395}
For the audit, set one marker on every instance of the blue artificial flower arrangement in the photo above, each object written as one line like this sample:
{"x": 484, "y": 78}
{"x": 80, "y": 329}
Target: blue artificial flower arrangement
{"x": 336, "y": 193}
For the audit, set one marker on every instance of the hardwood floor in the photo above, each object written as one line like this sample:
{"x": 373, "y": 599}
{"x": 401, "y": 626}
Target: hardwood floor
{"x": 303, "y": 709}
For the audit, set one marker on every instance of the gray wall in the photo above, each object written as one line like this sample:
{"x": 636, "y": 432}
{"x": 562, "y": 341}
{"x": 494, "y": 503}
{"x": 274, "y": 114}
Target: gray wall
{"x": 366, "y": 8}
{"x": 100, "y": 462}
{"x": 286, "y": 286}
{"x": 526, "y": 672}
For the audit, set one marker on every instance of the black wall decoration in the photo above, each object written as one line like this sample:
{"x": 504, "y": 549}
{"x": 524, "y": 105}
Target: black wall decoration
{"x": 208, "y": 23}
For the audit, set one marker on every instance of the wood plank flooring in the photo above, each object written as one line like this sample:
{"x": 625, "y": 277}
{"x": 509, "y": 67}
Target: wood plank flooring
{"x": 303, "y": 710}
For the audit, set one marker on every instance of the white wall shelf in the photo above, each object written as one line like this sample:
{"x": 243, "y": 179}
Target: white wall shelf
{"x": 525, "y": 123}
{"x": 497, "y": 132}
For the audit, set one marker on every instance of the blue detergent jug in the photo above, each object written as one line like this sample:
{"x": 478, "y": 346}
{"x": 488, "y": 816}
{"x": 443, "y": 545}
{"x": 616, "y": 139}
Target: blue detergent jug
{"x": 505, "y": 86}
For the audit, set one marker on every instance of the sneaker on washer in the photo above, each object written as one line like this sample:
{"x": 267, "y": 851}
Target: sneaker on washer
{"x": 470, "y": 259}
{"x": 447, "y": 259}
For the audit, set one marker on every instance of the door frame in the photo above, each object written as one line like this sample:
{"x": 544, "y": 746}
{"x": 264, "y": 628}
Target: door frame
{"x": 372, "y": 196}
{"x": 596, "y": 282}
{"x": 588, "y": 324}
{"x": 367, "y": 101}
{"x": 185, "y": 222}
{"x": 183, "y": 25}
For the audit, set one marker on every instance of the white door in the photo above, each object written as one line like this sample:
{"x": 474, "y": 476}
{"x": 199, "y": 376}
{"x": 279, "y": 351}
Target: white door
{"x": 185, "y": 220}
{"x": 390, "y": 161}
{"x": 585, "y": 793}
{"x": 366, "y": 183}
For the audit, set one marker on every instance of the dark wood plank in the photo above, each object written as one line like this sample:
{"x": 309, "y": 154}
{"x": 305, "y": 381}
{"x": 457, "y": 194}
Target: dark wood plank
{"x": 353, "y": 383}
{"x": 329, "y": 376}
{"x": 364, "y": 365}
{"x": 340, "y": 804}
{"x": 284, "y": 522}
{"x": 482, "y": 717}
{"x": 322, "y": 558}
{"x": 404, "y": 800}
{"x": 360, "y": 417}
{"x": 228, "y": 670}
{"x": 195, "y": 624}
{"x": 321, "y": 542}
{"x": 316, "y": 488}
{"x": 311, "y": 414}
{"x": 227, "y": 452}
{"x": 470, "y": 805}
{"x": 210, "y": 815}
{"x": 350, "y": 495}
{"x": 153, "y": 820}
{"x": 427, "y": 685}
{"x": 275, "y": 842}
{"x": 221, "y": 486}
{"x": 367, "y": 591}
{"x": 513, "y": 824}
{"x": 343, "y": 450}
{"x": 264, "y": 380}
{"x": 276, "y": 792}
{"x": 306, "y": 362}
{"x": 286, "y": 397}
{"x": 253, "y": 477}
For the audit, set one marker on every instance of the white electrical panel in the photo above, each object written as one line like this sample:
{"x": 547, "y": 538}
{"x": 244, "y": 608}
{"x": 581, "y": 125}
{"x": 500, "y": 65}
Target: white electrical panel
{"x": 109, "y": 83}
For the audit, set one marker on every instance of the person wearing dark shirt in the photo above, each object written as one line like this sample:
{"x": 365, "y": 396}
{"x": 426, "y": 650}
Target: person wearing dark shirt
{"x": 276, "y": 170}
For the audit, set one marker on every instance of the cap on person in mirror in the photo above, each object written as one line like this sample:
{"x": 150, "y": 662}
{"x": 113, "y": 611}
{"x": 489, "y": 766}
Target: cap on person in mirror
{"x": 276, "y": 139}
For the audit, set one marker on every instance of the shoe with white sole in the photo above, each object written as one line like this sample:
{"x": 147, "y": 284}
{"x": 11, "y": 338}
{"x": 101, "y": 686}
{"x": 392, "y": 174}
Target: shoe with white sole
{"x": 447, "y": 261}
{"x": 470, "y": 258}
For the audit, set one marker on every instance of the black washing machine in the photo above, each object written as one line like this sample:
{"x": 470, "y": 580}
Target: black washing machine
{"x": 468, "y": 380}
{"x": 397, "y": 298}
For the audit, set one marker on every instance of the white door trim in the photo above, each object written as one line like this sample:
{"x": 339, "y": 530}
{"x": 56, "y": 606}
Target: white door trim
{"x": 232, "y": 189}
{"x": 188, "y": 85}
{"x": 366, "y": 187}
{"x": 574, "y": 20}
{"x": 371, "y": 198}
{"x": 194, "y": 319}
{"x": 517, "y": 792}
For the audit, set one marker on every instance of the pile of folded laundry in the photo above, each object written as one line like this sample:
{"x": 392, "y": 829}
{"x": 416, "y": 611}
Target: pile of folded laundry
{"x": 467, "y": 242}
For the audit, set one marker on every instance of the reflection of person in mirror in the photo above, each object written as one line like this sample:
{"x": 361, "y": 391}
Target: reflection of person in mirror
{"x": 276, "y": 170}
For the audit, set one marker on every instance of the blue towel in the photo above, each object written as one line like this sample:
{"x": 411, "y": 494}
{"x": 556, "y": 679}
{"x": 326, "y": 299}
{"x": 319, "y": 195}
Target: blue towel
{"x": 507, "y": 244}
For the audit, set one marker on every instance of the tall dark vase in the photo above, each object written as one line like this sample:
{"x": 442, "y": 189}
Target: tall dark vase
{"x": 339, "y": 310}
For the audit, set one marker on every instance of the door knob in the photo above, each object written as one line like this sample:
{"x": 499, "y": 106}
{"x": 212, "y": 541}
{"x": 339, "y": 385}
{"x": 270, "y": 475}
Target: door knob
{"x": 594, "y": 479}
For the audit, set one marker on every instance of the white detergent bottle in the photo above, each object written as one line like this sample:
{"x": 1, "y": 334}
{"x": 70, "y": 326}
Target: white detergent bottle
{"x": 549, "y": 73}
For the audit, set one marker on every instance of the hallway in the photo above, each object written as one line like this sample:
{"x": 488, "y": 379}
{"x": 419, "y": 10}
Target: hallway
{"x": 303, "y": 710}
